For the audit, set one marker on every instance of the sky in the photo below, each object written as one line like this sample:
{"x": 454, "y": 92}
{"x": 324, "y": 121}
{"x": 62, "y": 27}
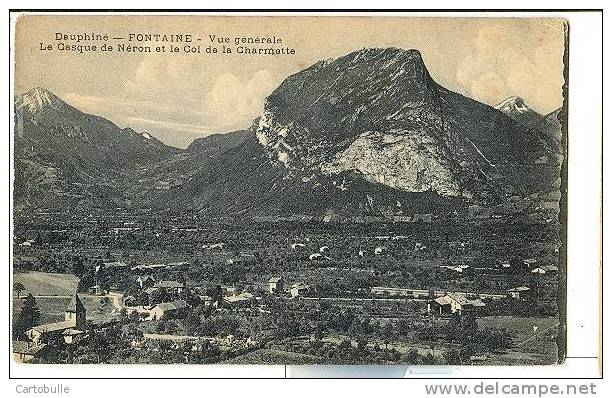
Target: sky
{"x": 180, "y": 97}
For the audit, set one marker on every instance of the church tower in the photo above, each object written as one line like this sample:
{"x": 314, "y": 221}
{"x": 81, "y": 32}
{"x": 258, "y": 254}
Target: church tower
{"x": 75, "y": 312}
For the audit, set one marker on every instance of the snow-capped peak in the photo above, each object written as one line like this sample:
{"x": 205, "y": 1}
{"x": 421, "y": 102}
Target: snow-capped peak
{"x": 513, "y": 104}
{"x": 36, "y": 99}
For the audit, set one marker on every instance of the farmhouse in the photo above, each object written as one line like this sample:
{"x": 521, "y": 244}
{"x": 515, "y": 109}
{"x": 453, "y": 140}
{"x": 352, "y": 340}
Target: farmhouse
{"x": 456, "y": 268}
{"x": 454, "y": 303}
{"x": 275, "y": 284}
{"x": 25, "y": 351}
{"x": 206, "y": 300}
{"x": 545, "y": 269}
{"x": 145, "y": 281}
{"x": 170, "y": 286}
{"x": 422, "y": 217}
{"x": 74, "y": 318}
{"x": 213, "y": 246}
{"x": 519, "y": 292}
{"x": 298, "y": 289}
{"x": 396, "y": 291}
{"x": 115, "y": 264}
{"x": 171, "y": 309}
{"x": 243, "y": 299}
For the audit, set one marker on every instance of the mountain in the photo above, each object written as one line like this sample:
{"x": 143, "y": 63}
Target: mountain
{"x": 378, "y": 113}
{"x": 65, "y": 157}
{"x": 549, "y": 124}
{"x": 516, "y": 108}
{"x": 368, "y": 133}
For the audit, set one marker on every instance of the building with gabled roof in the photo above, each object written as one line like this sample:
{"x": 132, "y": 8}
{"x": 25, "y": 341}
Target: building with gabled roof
{"x": 519, "y": 292}
{"x": 169, "y": 285}
{"x": 75, "y": 317}
{"x": 171, "y": 309}
{"x": 451, "y": 303}
{"x": 275, "y": 284}
{"x": 298, "y": 289}
{"x": 145, "y": 281}
{"x": 25, "y": 351}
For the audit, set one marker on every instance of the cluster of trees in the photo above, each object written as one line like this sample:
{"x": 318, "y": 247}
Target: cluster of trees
{"x": 28, "y": 316}
{"x": 464, "y": 332}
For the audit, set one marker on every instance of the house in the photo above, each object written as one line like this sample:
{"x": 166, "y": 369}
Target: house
{"x": 275, "y": 284}
{"x": 243, "y": 299}
{"x": 129, "y": 301}
{"x": 25, "y": 351}
{"x": 324, "y": 249}
{"x": 452, "y": 303}
{"x": 145, "y": 281}
{"x": 114, "y": 264}
{"x": 172, "y": 309}
{"x": 455, "y": 268}
{"x": 205, "y": 300}
{"x": 72, "y": 336}
{"x": 545, "y": 269}
{"x": 74, "y": 318}
{"x": 550, "y": 269}
{"x": 214, "y": 246}
{"x": 229, "y": 290}
{"x": 520, "y": 292}
{"x": 296, "y": 245}
{"x": 530, "y": 262}
{"x": 170, "y": 286}
{"x": 146, "y": 295}
{"x": 379, "y": 250}
{"x": 298, "y": 289}
{"x": 422, "y": 217}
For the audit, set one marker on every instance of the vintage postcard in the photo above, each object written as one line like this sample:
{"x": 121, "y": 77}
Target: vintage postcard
{"x": 286, "y": 189}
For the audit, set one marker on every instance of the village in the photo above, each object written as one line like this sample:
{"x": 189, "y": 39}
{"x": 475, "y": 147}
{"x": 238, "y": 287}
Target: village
{"x": 391, "y": 295}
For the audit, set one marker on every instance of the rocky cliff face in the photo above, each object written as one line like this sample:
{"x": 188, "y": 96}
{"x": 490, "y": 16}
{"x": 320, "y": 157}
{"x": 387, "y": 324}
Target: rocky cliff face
{"x": 378, "y": 112}
{"x": 410, "y": 162}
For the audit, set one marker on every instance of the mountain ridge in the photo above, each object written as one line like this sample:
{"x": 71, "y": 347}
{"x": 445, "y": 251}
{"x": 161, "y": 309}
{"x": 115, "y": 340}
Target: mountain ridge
{"x": 367, "y": 133}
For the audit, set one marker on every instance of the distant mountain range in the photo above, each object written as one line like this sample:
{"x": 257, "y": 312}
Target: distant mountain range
{"x": 367, "y": 133}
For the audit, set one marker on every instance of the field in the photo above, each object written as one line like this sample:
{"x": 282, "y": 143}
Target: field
{"x": 522, "y": 328}
{"x": 53, "y": 293}
{"x": 531, "y": 347}
{"x": 269, "y": 356}
{"x": 46, "y": 284}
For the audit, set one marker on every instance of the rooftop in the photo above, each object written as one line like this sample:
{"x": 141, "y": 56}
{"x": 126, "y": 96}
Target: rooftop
{"x": 54, "y": 327}
{"x": 172, "y": 305}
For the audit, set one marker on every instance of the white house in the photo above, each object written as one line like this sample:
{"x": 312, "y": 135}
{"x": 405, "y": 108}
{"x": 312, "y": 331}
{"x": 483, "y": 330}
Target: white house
{"x": 298, "y": 289}
{"x": 454, "y": 303}
{"x": 519, "y": 292}
{"x": 275, "y": 284}
{"x": 167, "y": 310}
